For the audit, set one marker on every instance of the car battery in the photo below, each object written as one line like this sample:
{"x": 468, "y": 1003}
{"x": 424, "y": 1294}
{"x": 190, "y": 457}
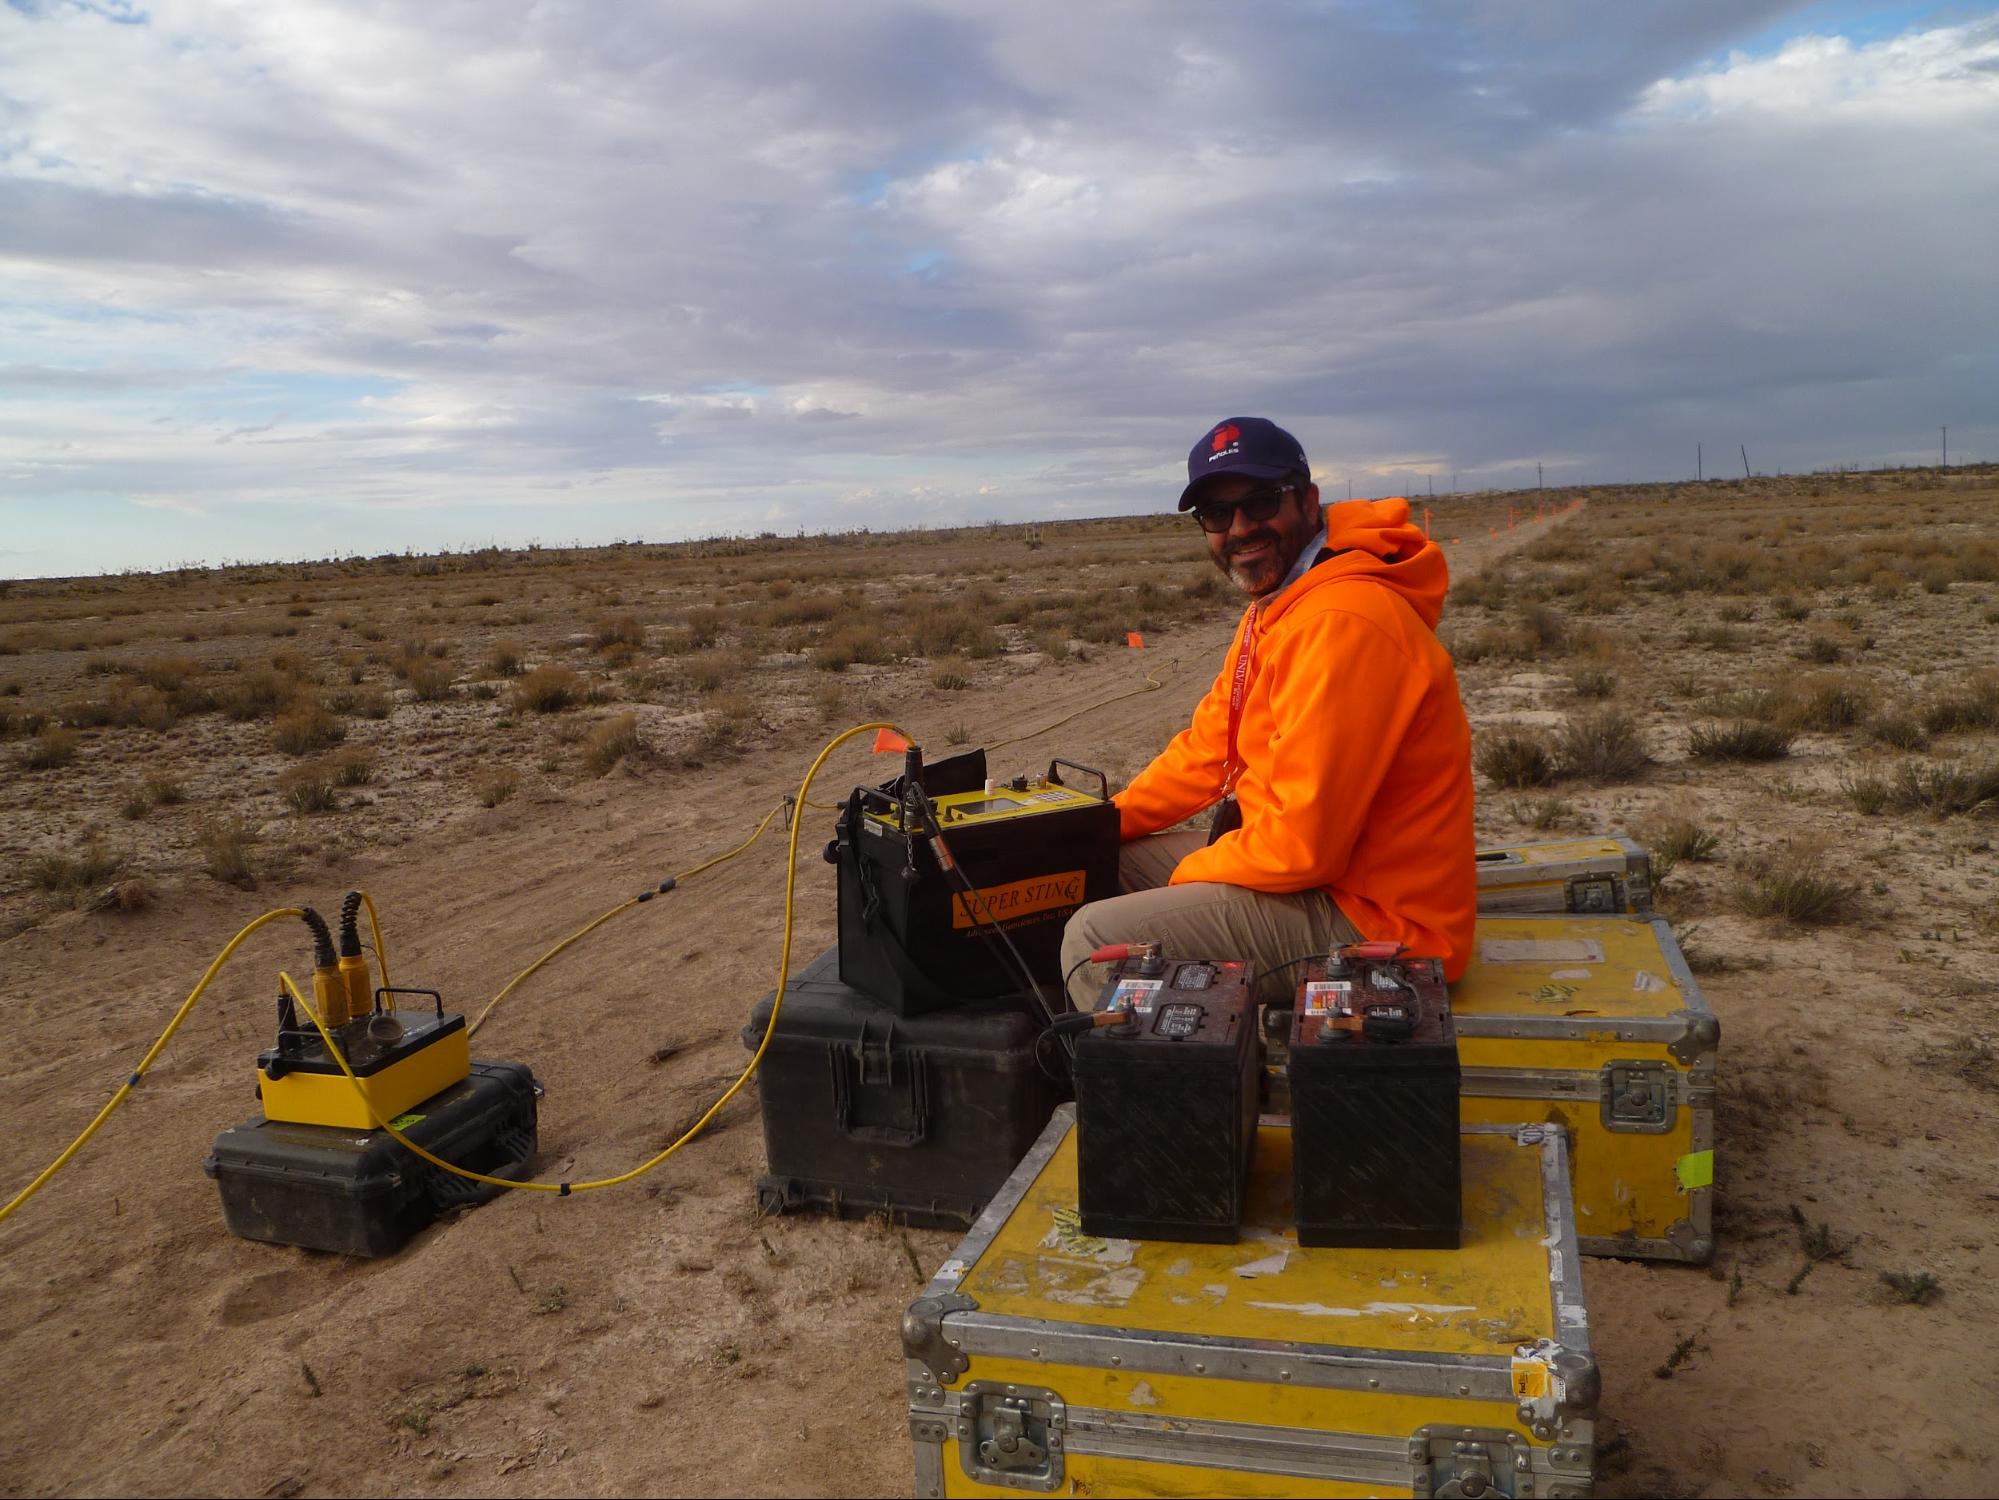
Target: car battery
{"x": 1166, "y": 1101}
{"x": 926, "y": 922}
{"x": 1373, "y": 1065}
{"x": 359, "y": 1192}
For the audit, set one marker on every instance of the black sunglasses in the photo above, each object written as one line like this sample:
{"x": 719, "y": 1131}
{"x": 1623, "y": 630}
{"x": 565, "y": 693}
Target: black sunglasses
{"x": 1217, "y": 516}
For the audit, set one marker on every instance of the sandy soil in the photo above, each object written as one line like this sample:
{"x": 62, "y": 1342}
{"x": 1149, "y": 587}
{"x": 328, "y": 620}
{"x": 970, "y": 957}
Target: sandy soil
{"x": 665, "y": 1339}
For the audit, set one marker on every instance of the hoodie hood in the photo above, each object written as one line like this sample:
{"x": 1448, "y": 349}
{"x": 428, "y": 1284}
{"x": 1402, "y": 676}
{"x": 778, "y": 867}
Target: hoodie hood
{"x": 1374, "y": 539}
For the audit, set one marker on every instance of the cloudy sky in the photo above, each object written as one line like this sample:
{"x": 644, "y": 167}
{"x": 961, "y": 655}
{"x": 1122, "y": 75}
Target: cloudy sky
{"x": 284, "y": 279}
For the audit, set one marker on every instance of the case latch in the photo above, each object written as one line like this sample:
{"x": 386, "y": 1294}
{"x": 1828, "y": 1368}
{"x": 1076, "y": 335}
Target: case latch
{"x": 1637, "y": 1097}
{"x": 1595, "y": 894}
{"x": 1011, "y": 1435}
{"x": 1469, "y": 1462}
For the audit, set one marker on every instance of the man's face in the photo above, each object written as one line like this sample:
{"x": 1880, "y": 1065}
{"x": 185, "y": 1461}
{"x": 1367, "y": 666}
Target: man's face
{"x": 1257, "y": 554}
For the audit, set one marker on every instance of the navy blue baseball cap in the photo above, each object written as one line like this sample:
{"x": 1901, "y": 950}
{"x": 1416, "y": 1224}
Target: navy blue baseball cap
{"x": 1252, "y": 446}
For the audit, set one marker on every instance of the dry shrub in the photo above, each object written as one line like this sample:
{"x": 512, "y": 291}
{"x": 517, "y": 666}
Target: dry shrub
{"x": 429, "y": 680}
{"x": 1743, "y": 740}
{"x": 505, "y": 659}
{"x": 50, "y": 749}
{"x": 1822, "y": 649}
{"x": 548, "y": 690}
{"x": 1682, "y": 839}
{"x": 1593, "y": 682}
{"x": 1827, "y": 703}
{"x": 354, "y": 766}
{"x": 1975, "y": 706}
{"x": 1601, "y": 745}
{"x": 261, "y": 694}
{"x": 609, "y": 743}
{"x": 225, "y": 852}
{"x": 704, "y": 626}
{"x": 950, "y": 676}
{"x": 624, "y": 631}
{"x": 1796, "y": 885}
{"x": 1511, "y": 759}
{"x": 309, "y": 788}
{"x": 1942, "y": 791}
{"x": 1899, "y": 729}
{"x": 68, "y": 876}
{"x": 496, "y": 786}
{"x": 952, "y": 630}
{"x": 850, "y": 645}
{"x": 307, "y": 729}
{"x": 708, "y": 673}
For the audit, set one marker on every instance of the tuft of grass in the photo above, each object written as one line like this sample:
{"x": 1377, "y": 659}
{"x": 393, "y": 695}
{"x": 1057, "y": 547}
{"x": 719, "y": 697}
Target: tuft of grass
{"x": 307, "y": 729}
{"x": 430, "y": 680}
{"x": 1593, "y": 682}
{"x": 496, "y": 786}
{"x": 1543, "y": 813}
{"x": 705, "y": 622}
{"x": 164, "y": 791}
{"x": 1513, "y": 760}
{"x": 625, "y": 630}
{"x": 548, "y": 690}
{"x": 1917, "y": 1288}
{"x": 1974, "y": 707}
{"x": 1601, "y": 745}
{"x": 1742, "y": 740}
{"x": 851, "y": 645}
{"x": 1827, "y": 703}
{"x": 135, "y": 805}
{"x": 1943, "y": 791}
{"x": 51, "y": 749}
{"x": 1795, "y": 886}
{"x": 505, "y": 659}
{"x": 309, "y": 788}
{"x": 1900, "y": 730}
{"x": 69, "y": 875}
{"x": 225, "y": 852}
{"x": 1683, "y": 839}
{"x": 949, "y": 676}
{"x": 609, "y": 743}
{"x": 1822, "y": 649}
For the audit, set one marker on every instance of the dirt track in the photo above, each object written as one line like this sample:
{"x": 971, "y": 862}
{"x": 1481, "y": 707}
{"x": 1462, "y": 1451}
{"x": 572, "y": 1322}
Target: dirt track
{"x": 662, "y": 1339}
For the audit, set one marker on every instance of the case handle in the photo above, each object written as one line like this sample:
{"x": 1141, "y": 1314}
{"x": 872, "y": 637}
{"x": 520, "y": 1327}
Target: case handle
{"x": 1103, "y": 781}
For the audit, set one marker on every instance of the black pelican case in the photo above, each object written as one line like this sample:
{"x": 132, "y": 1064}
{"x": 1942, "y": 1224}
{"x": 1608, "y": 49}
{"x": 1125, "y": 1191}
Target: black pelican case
{"x": 866, "y": 1111}
{"x": 359, "y": 1192}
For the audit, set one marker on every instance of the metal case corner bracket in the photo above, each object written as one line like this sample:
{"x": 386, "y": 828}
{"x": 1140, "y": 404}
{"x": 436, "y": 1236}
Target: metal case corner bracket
{"x": 923, "y": 1335}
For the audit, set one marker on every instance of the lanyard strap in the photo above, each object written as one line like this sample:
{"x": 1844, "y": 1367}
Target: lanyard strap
{"x": 1238, "y": 690}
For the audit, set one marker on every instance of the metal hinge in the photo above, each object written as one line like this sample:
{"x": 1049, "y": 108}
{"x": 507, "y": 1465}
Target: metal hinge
{"x": 1594, "y": 894}
{"x": 1011, "y": 1435}
{"x": 1637, "y": 1097}
{"x": 1699, "y": 1040}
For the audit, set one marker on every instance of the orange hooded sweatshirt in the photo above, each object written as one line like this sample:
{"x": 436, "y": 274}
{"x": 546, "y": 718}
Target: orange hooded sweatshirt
{"x": 1353, "y": 752}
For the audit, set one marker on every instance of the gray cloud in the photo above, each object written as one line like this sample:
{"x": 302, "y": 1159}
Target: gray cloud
{"x": 688, "y": 257}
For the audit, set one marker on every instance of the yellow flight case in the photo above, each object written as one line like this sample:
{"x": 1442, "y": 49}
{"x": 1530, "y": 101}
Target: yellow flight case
{"x": 1045, "y": 1360}
{"x": 1598, "y": 875}
{"x": 1596, "y": 1023}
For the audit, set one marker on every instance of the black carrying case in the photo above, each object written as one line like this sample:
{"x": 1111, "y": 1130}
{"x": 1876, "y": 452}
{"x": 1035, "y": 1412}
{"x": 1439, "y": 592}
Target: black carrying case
{"x": 360, "y": 1192}
{"x": 898, "y": 940}
{"x": 1374, "y": 1128}
{"x": 866, "y": 1111}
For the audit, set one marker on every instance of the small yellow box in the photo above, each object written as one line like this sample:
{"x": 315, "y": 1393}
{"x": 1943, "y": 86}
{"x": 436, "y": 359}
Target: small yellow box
{"x": 306, "y": 1086}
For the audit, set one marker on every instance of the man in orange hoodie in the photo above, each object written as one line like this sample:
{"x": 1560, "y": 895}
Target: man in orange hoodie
{"x": 1334, "y": 741}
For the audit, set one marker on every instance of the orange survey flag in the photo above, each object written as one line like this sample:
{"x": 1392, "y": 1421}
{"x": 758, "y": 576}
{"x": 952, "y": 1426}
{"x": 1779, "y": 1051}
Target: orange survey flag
{"x": 887, "y": 740}
{"x": 1134, "y": 640}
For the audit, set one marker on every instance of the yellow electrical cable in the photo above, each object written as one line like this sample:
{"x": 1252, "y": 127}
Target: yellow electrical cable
{"x": 125, "y": 1088}
{"x": 564, "y": 1189}
{"x": 622, "y": 906}
{"x": 381, "y": 948}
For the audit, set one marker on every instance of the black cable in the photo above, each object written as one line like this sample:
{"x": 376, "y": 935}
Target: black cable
{"x": 976, "y": 902}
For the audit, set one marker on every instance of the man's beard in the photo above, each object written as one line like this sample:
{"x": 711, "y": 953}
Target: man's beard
{"x": 1261, "y": 574}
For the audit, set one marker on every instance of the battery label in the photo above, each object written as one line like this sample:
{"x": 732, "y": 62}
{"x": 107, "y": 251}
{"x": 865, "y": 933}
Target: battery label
{"x": 1329, "y": 997}
{"x": 1017, "y": 900}
{"x": 1139, "y": 994}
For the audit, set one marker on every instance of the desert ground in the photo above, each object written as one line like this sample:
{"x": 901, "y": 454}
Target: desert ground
{"x": 1787, "y": 688}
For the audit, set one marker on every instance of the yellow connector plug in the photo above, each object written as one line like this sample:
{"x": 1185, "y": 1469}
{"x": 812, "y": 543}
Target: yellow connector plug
{"x": 360, "y": 984}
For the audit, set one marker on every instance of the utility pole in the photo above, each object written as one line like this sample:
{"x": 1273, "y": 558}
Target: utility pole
{"x": 1946, "y": 447}
{"x": 1745, "y": 460}
{"x": 1537, "y": 474}
{"x": 1349, "y": 487}
{"x": 1433, "y": 485}
{"x": 1700, "y": 477}
{"x": 1454, "y": 481}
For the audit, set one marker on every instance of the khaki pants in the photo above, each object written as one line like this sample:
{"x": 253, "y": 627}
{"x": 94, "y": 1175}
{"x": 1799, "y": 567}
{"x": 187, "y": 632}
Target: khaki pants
{"x": 1201, "y": 920}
